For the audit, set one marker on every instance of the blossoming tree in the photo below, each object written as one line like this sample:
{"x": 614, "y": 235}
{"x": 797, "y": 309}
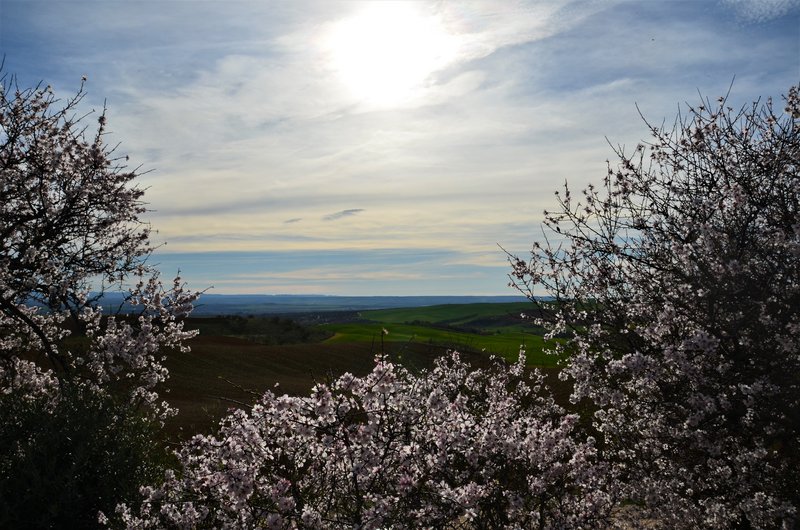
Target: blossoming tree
{"x": 70, "y": 225}
{"x": 679, "y": 281}
{"x": 451, "y": 447}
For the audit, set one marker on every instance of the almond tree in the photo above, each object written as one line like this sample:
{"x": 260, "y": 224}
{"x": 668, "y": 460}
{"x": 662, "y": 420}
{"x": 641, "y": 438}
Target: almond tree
{"x": 451, "y": 447}
{"x": 678, "y": 281}
{"x": 70, "y": 216}
{"x": 70, "y": 226}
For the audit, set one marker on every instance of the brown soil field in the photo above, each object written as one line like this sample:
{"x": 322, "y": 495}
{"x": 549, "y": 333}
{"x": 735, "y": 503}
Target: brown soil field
{"x": 221, "y": 373}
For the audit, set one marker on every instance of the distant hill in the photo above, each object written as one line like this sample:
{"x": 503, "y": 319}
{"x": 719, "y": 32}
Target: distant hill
{"x": 282, "y": 304}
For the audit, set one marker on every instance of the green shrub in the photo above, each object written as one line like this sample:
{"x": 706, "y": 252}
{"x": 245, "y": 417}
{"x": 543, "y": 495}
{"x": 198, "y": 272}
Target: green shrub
{"x": 61, "y": 464}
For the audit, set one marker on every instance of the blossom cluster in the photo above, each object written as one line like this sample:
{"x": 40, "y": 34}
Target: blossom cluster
{"x": 450, "y": 447}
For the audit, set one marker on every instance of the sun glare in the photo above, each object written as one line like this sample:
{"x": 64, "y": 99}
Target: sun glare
{"x": 386, "y": 53}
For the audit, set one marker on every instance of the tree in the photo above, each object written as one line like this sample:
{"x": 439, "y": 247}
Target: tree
{"x": 679, "y": 283}
{"x": 70, "y": 216}
{"x": 70, "y": 222}
{"x": 451, "y": 447}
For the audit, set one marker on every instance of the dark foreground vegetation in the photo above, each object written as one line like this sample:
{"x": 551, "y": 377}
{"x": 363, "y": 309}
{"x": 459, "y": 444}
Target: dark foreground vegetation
{"x": 673, "y": 288}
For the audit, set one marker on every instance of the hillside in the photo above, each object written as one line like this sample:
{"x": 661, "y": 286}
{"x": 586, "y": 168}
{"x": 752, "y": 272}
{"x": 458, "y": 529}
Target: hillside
{"x": 235, "y": 358}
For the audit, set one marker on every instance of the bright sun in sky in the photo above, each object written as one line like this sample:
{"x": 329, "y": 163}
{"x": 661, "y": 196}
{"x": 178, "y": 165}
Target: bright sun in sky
{"x": 385, "y": 53}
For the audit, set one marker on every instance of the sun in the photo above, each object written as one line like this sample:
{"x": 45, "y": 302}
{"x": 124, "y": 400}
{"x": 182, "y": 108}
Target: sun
{"x": 387, "y": 52}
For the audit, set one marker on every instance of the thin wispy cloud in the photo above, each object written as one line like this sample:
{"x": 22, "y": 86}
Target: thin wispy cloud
{"x": 263, "y": 126}
{"x": 761, "y": 10}
{"x": 342, "y": 213}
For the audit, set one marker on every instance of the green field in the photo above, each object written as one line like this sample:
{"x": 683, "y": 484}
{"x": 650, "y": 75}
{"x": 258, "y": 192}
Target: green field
{"x": 491, "y": 328}
{"x": 503, "y": 343}
{"x": 456, "y": 314}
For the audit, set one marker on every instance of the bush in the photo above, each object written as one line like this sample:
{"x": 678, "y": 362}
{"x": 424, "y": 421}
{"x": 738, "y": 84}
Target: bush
{"x": 61, "y": 463}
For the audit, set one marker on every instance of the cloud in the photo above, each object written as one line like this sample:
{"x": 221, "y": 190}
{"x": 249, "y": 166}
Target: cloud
{"x": 249, "y": 131}
{"x": 343, "y": 213}
{"x": 387, "y": 271}
{"x": 761, "y": 10}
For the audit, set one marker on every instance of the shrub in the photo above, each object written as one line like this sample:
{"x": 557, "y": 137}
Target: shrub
{"x": 63, "y": 463}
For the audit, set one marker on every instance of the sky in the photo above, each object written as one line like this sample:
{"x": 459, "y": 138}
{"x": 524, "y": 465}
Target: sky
{"x": 382, "y": 147}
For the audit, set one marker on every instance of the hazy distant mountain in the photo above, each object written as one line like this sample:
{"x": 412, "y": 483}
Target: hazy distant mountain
{"x": 261, "y": 304}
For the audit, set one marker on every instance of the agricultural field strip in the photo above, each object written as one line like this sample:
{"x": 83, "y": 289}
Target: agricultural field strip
{"x": 493, "y": 328}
